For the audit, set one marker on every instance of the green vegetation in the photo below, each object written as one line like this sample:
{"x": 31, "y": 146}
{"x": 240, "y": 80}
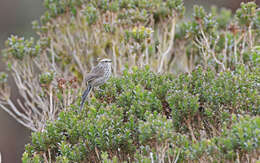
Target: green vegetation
{"x": 198, "y": 100}
{"x": 199, "y": 116}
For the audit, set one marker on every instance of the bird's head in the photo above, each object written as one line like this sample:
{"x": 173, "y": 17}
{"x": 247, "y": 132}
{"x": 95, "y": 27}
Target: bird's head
{"x": 106, "y": 60}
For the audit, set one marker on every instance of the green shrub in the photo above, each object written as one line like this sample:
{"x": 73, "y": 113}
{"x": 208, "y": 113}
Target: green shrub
{"x": 143, "y": 112}
{"x": 198, "y": 100}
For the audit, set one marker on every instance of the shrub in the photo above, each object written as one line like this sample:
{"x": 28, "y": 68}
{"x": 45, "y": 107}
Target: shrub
{"x": 128, "y": 119}
{"x": 201, "y": 72}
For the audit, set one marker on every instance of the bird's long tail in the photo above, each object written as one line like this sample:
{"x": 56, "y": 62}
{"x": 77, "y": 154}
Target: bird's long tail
{"x": 84, "y": 96}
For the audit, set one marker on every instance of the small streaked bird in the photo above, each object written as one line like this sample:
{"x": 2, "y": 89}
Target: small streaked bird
{"x": 97, "y": 76}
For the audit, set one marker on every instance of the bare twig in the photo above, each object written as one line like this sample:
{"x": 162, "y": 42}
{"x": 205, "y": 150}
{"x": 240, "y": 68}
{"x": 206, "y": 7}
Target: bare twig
{"x": 209, "y": 50}
{"x": 177, "y": 157}
{"x": 171, "y": 41}
{"x": 114, "y": 58}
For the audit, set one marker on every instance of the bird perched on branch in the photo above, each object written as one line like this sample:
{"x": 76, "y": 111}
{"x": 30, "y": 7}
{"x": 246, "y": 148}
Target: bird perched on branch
{"x": 97, "y": 76}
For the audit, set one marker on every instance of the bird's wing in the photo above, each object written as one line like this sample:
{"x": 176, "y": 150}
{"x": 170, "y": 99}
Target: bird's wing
{"x": 91, "y": 77}
{"x": 96, "y": 72}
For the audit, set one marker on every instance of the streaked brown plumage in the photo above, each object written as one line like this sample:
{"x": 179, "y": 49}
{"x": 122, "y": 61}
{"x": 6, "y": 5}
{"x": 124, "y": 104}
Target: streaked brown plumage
{"x": 97, "y": 76}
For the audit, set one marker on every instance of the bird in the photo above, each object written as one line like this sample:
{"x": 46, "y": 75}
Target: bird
{"x": 96, "y": 77}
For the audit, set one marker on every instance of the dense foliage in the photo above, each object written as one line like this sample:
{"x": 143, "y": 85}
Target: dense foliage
{"x": 199, "y": 100}
{"x": 199, "y": 116}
